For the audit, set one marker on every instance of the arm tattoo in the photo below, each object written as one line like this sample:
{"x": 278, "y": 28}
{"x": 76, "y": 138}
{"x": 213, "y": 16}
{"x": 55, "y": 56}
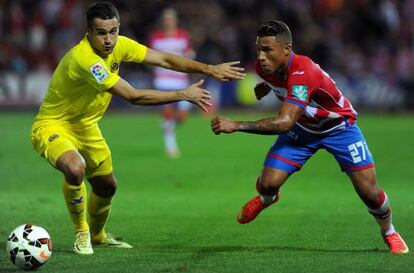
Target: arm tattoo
{"x": 268, "y": 126}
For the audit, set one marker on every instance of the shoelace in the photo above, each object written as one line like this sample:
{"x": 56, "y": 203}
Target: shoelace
{"x": 257, "y": 205}
{"x": 83, "y": 239}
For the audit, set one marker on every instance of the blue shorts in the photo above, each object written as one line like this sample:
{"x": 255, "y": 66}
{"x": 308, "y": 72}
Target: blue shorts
{"x": 291, "y": 151}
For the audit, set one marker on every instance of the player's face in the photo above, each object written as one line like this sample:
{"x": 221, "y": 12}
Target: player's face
{"x": 169, "y": 20}
{"x": 273, "y": 55}
{"x": 103, "y": 35}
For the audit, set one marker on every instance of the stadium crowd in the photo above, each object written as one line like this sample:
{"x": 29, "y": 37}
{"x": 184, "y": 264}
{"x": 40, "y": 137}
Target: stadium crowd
{"x": 368, "y": 45}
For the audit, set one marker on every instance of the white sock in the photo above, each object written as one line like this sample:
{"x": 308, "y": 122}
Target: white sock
{"x": 383, "y": 215}
{"x": 389, "y": 231}
{"x": 169, "y": 135}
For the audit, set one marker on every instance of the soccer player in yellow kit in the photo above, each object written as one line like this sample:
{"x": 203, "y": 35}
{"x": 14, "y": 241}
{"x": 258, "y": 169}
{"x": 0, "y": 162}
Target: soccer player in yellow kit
{"x": 66, "y": 131}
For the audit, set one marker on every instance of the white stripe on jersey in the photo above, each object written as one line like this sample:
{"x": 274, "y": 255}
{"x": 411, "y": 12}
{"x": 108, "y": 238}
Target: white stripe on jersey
{"x": 177, "y": 44}
{"x": 341, "y": 101}
{"x": 340, "y": 126}
{"x": 171, "y": 45}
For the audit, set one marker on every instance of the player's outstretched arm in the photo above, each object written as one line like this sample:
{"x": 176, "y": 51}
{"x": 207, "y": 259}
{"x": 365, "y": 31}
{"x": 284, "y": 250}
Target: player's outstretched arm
{"x": 194, "y": 94}
{"x": 288, "y": 115}
{"x": 222, "y": 72}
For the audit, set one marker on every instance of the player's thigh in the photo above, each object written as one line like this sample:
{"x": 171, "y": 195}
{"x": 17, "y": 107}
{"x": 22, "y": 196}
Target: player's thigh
{"x": 103, "y": 169}
{"x": 291, "y": 151}
{"x": 96, "y": 152}
{"x": 51, "y": 142}
{"x": 350, "y": 149}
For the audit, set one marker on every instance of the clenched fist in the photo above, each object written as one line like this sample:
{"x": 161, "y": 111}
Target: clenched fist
{"x": 223, "y": 125}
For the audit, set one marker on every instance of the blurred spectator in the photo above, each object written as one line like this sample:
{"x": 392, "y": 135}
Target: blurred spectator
{"x": 169, "y": 37}
{"x": 357, "y": 39}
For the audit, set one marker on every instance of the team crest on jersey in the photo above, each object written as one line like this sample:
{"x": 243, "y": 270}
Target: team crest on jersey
{"x": 300, "y": 92}
{"x": 99, "y": 72}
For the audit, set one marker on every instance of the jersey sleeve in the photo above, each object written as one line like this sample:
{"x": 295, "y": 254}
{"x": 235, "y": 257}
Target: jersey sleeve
{"x": 96, "y": 73}
{"x": 131, "y": 51}
{"x": 301, "y": 85}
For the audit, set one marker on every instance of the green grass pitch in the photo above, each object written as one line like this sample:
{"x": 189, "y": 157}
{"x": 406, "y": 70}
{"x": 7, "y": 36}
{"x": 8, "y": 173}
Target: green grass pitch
{"x": 180, "y": 215}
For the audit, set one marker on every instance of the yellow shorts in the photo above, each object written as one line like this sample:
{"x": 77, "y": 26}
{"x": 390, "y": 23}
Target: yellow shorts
{"x": 52, "y": 140}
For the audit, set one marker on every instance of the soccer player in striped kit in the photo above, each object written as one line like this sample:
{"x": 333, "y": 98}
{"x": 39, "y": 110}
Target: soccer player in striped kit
{"x": 170, "y": 38}
{"x": 314, "y": 115}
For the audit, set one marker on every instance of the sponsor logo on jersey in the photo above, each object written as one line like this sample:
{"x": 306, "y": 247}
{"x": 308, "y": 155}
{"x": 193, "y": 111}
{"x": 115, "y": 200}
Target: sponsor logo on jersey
{"x": 99, "y": 72}
{"x": 300, "y": 92}
{"x": 53, "y": 137}
{"x": 114, "y": 67}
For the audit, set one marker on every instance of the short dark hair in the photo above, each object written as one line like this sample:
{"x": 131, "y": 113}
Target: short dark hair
{"x": 275, "y": 28}
{"x": 104, "y": 10}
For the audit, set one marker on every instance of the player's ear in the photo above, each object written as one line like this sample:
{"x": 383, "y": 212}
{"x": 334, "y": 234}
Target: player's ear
{"x": 287, "y": 49}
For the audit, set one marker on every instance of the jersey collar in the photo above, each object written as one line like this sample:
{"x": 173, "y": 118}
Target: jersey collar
{"x": 292, "y": 54}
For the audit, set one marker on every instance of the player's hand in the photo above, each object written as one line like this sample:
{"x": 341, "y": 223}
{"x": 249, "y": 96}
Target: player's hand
{"x": 227, "y": 71}
{"x": 261, "y": 90}
{"x": 223, "y": 125}
{"x": 195, "y": 94}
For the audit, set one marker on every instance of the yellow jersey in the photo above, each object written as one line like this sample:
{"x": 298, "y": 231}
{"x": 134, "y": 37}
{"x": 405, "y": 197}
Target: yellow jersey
{"x": 76, "y": 94}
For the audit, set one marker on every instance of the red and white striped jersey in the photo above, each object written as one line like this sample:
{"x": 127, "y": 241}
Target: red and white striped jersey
{"x": 179, "y": 44}
{"x": 311, "y": 88}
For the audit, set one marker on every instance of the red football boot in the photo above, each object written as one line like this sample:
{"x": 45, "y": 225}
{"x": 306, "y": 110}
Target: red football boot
{"x": 395, "y": 243}
{"x": 252, "y": 209}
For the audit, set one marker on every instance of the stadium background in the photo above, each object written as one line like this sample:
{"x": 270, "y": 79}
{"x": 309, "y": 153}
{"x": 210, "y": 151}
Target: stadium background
{"x": 366, "y": 46}
{"x": 180, "y": 214}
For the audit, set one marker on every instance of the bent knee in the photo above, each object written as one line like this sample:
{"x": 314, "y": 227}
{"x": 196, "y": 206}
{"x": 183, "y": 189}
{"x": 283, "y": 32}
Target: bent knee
{"x": 267, "y": 186}
{"x": 372, "y": 197}
{"x": 109, "y": 190}
{"x": 74, "y": 174}
{"x": 370, "y": 194}
{"x": 72, "y": 165}
{"x": 104, "y": 188}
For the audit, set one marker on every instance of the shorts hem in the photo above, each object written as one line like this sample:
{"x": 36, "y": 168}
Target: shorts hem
{"x": 52, "y": 160}
{"x": 100, "y": 173}
{"x": 288, "y": 170}
{"x": 285, "y": 160}
{"x": 357, "y": 168}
